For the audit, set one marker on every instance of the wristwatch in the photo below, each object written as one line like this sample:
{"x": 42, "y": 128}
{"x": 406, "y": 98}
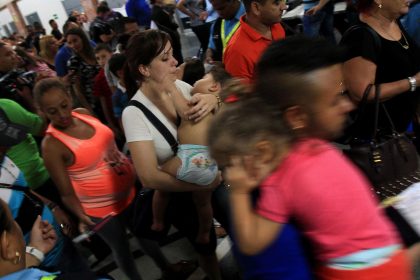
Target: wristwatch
{"x": 413, "y": 83}
{"x": 35, "y": 252}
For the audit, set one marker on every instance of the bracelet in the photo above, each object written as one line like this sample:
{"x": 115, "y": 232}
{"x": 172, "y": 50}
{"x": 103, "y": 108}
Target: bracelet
{"x": 36, "y": 253}
{"x": 219, "y": 101}
{"x": 413, "y": 83}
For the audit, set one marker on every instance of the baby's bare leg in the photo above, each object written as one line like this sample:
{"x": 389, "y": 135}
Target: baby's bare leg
{"x": 172, "y": 166}
{"x": 160, "y": 203}
{"x": 160, "y": 198}
{"x": 202, "y": 201}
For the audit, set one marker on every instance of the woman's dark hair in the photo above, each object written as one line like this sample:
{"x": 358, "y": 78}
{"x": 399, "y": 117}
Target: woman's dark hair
{"x": 67, "y": 25}
{"x": 284, "y": 70}
{"x": 45, "y": 85}
{"x": 243, "y": 121}
{"x": 193, "y": 71}
{"x": 363, "y": 5}
{"x": 116, "y": 63}
{"x": 142, "y": 48}
{"x": 87, "y": 49}
{"x": 5, "y": 222}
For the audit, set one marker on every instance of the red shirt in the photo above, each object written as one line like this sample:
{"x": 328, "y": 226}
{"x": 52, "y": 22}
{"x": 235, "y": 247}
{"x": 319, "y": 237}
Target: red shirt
{"x": 246, "y": 47}
{"x": 101, "y": 89}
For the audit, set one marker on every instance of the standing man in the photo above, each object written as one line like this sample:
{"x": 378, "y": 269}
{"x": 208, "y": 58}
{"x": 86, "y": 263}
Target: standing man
{"x": 55, "y": 31}
{"x": 318, "y": 19}
{"x": 258, "y": 28}
{"x": 224, "y": 27}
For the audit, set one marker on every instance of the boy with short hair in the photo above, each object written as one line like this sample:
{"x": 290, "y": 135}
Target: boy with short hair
{"x": 100, "y": 87}
{"x": 119, "y": 97}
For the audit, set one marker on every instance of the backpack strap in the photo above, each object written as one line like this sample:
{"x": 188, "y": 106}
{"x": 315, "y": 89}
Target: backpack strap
{"x": 173, "y": 143}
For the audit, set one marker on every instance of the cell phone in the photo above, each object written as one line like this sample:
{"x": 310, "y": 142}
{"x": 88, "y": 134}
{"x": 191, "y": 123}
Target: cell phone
{"x": 85, "y": 235}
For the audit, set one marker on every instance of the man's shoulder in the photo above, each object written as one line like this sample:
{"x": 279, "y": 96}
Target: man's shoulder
{"x": 238, "y": 41}
{"x": 278, "y": 31}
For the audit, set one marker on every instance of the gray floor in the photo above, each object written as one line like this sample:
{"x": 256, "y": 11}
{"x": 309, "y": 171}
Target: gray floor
{"x": 176, "y": 250}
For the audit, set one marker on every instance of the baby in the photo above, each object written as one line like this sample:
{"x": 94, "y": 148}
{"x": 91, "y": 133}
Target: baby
{"x": 193, "y": 163}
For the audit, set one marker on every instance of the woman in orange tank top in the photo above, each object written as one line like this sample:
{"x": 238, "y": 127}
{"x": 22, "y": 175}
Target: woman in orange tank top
{"x": 94, "y": 178}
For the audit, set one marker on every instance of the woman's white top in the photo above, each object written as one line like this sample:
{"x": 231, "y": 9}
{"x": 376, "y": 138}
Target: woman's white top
{"x": 138, "y": 128}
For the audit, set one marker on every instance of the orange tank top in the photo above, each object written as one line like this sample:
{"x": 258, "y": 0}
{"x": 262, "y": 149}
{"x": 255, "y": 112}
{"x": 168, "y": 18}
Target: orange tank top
{"x": 102, "y": 187}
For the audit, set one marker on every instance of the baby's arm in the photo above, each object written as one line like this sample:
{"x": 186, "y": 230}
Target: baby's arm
{"x": 180, "y": 102}
{"x": 253, "y": 232}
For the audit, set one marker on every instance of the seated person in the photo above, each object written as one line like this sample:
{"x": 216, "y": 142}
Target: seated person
{"x": 26, "y": 206}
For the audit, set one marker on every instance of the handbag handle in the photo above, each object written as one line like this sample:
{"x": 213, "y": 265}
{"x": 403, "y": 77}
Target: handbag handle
{"x": 377, "y": 106}
{"x": 376, "y": 117}
{"x": 360, "y": 111}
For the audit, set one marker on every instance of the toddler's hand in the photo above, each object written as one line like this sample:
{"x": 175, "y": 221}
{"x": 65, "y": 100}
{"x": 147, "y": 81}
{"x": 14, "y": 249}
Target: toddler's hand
{"x": 239, "y": 175}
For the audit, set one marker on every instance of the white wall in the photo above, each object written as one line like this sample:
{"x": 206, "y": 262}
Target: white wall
{"x": 5, "y": 18}
{"x": 46, "y": 10}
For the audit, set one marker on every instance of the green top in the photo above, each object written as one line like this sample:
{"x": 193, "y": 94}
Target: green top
{"x": 26, "y": 154}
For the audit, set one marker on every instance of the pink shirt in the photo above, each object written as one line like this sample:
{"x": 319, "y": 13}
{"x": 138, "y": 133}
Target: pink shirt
{"x": 101, "y": 186}
{"x": 329, "y": 199}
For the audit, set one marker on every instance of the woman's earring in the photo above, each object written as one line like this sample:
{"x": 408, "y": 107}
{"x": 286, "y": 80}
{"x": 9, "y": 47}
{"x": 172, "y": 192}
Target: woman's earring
{"x": 17, "y": 258}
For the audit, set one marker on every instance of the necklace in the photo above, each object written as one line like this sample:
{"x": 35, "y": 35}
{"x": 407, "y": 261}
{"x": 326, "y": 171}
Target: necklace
{"x": 404, "y": 45}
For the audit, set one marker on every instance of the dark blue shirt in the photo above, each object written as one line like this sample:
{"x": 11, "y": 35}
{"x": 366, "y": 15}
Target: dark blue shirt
{"x": 283, "y": 259}
{"x": 140, "y": 10}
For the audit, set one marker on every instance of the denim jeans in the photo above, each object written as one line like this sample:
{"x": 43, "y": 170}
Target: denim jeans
{"x": 320, "y": 24}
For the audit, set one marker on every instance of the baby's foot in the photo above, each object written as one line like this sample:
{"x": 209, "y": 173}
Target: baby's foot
{"x": 157, "y": 226}
{"x": 203, "y": 238}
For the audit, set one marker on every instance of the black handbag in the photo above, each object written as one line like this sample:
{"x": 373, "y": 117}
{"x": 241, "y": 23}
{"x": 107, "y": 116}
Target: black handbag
{"x": 390, "y": 162}
{"x": 141, "y": 212}
{"x": 141, "y": 217}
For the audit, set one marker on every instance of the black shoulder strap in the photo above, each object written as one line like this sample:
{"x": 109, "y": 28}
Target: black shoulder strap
{"x": 14, "y": 187}
{"x": 158, "y": 124}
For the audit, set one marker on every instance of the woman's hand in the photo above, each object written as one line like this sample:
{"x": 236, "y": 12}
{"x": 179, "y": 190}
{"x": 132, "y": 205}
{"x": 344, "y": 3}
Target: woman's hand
{"x": 66, "y": 224}
{"x": 313, "y": 11}
{"x": 202, "y": 105}
{"x": 203, "y": 15}
{"x": 85, "y": 223}
{"x": 43, "y": 236}
{"x": 240, "y": 176}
